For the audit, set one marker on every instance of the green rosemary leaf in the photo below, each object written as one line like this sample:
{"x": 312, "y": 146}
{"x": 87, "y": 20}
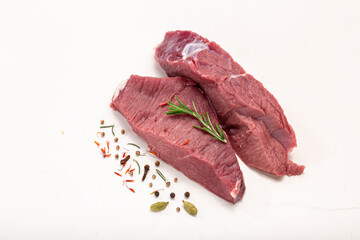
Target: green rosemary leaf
{"x": 183, "y": 105}
{"x": 210, "y": 124}
{"x": 161, "y": 175}
{"x": 204, "y": 119}
{"x": 137, "y": 164}
{"x": 133, "y": 144}
{"x": 196, "y": 112}
{"x": 110, "y": 126}
{"x": 219, "y": 130}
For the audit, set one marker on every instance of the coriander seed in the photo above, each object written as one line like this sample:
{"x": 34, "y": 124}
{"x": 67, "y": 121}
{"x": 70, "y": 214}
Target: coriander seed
{"x": 102, "y": 134}
{"x": 122, "y": 131}
{"x": 168, "y": 184}
{"x": 131, "y": 174}
{"x": 116, "y": 156}
{"x": 153, "y": 176}
{"x": 178, "y": 209}
{"x": 137, "y": 153}
{"x": 150, "y": 184}
{"x": 116, "y": 139}
{"x": 157, "y": 163}
{"x": 102, "y": 122}
{"x": 175, "y": 179}
{"x": 117, "y": 147}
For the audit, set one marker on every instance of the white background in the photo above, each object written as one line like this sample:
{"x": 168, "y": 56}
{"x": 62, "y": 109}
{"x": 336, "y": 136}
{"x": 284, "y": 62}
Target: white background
{"x": 60, "y": 62}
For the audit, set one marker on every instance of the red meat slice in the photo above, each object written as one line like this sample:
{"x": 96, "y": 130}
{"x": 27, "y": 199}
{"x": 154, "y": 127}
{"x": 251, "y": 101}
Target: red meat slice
{"x": 211, "y": 163}
{"x": 235, "y": 95}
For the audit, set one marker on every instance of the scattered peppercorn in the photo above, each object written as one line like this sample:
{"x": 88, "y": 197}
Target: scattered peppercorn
{"x": 116, "y": 139}
{"x": 157, "y": 163}
{"x": 122, "y": 131}
{"x": 131, "y": 174}
{"x": 150, "y": 184}
{"x": 117, "y": 147}
{"x": 175, "y": 179}
{"x": 157, "y": 193}
{"x": 178, "y": 209}
{"x": 172, "y": 195}
{"x": 102, "y": 122}
{"x": 153, "y": 176}
{"x": 168, "y": 184}
{"x": 102, "y": 134}
{"x": 137, "y": 153}
{"x": 116, "y": 156}
{"x": 187, "y": 194}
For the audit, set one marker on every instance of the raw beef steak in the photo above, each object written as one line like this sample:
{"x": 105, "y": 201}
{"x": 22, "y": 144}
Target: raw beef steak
{"x": 251, "y": 116}
{"x": 213, "y": 164}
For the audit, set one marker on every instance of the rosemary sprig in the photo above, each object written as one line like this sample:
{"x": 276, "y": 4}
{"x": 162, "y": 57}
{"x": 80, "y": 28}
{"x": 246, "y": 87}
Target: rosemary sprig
{"x": 133, "y": 144}
{"x": 110, "y": 126}
{"x": 137, "y": 164}
{"x": 161, "y": 175}
{"x": 205, "y": 120}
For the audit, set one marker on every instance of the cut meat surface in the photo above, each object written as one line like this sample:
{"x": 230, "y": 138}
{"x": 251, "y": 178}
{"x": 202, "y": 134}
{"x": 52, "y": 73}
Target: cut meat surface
{"x": 245, "y": 108}
{"x": 211, "y": 163}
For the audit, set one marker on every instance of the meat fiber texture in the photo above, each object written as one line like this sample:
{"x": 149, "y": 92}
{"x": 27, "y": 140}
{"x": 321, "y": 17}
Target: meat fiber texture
{"x": 251, "y": 116}
{"x": 211, "y": 163}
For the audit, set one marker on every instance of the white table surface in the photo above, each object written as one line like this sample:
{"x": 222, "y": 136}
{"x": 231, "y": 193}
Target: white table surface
{"x": 60, "y": 62}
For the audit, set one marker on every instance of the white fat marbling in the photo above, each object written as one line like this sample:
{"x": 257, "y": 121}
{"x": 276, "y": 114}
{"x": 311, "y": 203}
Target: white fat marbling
{"x": 193, "y": 48}
{"x": 238, "y": 75}
{"x": 119, "y": 88}
{"x": 235, "y": 191}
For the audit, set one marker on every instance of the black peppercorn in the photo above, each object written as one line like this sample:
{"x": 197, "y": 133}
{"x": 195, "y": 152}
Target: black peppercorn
{"x": 172, "y": 195}
{"x": 157, "y": 193}
{"x": 187, "y": 194}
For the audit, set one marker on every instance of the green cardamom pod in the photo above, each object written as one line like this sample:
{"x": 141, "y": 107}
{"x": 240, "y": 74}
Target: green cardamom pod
{"x": 190, "y": 208}
{"x": 158, "y": 206}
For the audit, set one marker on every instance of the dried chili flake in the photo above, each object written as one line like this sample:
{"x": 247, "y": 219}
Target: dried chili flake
{"x": 124, "y": 182}
{"x": 108, "y": 145}
{"x": 186, "y": 142}
{"x": 129, "y": 180}
{"x": 124, "y": 155}
{"x": 118, "y": 174}
{"x": 98, "y": 144}
{"x": 132, "y": 170}
{"x": 123, "y": 165}
{"x": 153, "y": 153}
{"x": 156, "y": 191}
{"x": 103, "y": 151}
{"x": 163, "y": 104}
{"x": 128, "y": 170}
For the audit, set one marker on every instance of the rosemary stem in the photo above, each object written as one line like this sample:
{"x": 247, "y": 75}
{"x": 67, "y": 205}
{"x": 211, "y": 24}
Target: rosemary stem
{"x": 204, "y": 120}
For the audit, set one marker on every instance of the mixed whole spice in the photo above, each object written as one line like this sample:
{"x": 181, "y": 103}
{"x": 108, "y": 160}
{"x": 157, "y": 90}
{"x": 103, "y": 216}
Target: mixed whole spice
{"x": 127, "y": 170}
